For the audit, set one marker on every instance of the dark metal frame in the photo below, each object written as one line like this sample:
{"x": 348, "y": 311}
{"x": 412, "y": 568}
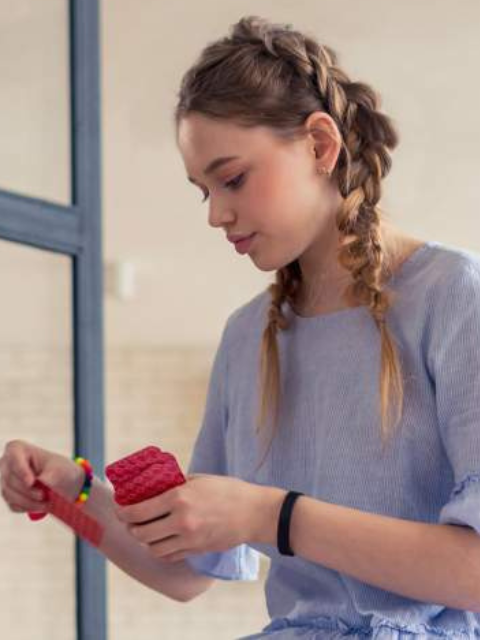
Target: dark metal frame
{"x": 75, "y": 230}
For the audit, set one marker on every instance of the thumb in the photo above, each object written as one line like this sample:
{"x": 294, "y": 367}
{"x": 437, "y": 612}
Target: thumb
{"x": 28, "y": 470}
{"x": 34, "y": 468}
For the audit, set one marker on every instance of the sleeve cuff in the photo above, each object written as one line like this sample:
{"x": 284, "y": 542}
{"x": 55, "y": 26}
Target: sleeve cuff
{"x": 239, "y": 563}
{"x": 463, "y": 508}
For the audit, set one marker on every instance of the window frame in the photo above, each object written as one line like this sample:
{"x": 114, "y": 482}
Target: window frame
{"x": 75, "y": 230}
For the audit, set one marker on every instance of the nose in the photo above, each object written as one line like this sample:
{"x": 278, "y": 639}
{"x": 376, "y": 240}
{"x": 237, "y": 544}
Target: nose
{"x": 219, "y": 213}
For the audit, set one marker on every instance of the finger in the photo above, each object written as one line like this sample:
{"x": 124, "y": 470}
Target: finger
{"x": 28, "y": 502}
{"x": 141, "y": 513}
{"x": 21, "y": 502}
{"x": 153, "y": 531}
{"x": 175, "y": 557}
{"x": 15, "y": 507}
{"x": 159, "y": 506}
{"x": 166, "y": 548}
{"x": 18, "y": 463}
{"x": 18, "y": 485}
{"x": 33, "y": 494}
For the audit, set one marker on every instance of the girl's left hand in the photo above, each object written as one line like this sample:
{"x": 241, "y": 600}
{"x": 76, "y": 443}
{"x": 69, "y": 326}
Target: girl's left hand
{"x": 207, "y": 513}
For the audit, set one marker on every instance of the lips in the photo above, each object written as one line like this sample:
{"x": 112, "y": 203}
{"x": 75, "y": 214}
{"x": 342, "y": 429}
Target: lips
{"x": 238, "y": 238}
{"x": 243, "y": 246}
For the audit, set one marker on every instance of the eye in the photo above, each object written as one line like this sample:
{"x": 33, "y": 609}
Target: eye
{"x": 235, "y": 183}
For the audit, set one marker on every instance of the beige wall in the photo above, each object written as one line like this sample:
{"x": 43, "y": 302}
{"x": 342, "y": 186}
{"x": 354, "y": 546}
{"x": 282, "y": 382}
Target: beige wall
{"x": 422, "y": 60}
{"x": 421, "y": 56}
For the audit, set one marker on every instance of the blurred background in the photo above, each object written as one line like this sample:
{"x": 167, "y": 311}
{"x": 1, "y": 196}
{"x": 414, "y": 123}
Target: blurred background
{"x": 171, "y": 280}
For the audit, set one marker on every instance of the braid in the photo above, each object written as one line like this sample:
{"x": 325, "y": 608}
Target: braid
{"x": 363, "y": 162}
{"x": 287, "y": 282}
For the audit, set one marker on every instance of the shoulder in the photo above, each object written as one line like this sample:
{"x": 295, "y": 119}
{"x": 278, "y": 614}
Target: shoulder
{"x": 437, "y": 272}
{"x": 248, "y": 320}
{"x": 453, "y": 271}
{"x": 452, "y": 316}
{"x": 451, "y": 299}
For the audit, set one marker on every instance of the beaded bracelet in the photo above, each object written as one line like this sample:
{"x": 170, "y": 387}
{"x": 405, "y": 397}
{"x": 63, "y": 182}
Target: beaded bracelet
{"x": 87, "y": 483}
{"x": 84, "y": 491}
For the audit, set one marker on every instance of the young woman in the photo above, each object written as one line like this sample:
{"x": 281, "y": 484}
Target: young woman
{"x": 340, "y": 434}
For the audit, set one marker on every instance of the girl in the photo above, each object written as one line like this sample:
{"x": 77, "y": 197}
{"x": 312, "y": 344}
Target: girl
{"x": 353, "y": 459}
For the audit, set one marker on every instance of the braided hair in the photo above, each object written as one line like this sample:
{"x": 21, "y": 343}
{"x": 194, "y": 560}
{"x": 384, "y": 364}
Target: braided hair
{"x": 272, "y": 75}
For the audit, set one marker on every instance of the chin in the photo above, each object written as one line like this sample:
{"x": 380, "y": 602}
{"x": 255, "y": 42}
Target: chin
{"x": 270, "y": 265}
{"x": 264, "y": 267}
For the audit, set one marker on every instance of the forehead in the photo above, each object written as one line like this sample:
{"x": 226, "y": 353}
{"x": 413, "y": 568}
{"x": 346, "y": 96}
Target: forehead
{"x": 201, "y": 139}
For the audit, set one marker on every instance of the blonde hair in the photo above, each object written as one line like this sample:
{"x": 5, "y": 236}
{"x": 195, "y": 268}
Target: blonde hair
{"x": 272, "y": 75}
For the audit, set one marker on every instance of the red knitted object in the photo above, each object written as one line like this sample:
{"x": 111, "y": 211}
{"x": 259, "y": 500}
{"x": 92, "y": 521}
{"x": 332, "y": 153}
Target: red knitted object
{"x": 144, "y": 474}
{"x": 71, "y": 514}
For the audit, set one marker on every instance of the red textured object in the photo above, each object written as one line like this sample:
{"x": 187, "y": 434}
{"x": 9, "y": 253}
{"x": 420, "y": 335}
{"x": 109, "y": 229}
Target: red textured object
{"x": 34, "y": 515}
{"x": 72, "y": 515}
{"x": 144, "y": 474}
{"x": 125, "y": 468}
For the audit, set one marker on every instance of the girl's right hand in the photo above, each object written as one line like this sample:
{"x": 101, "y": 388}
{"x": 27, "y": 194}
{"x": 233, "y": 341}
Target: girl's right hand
{"x": 23, "y": 463}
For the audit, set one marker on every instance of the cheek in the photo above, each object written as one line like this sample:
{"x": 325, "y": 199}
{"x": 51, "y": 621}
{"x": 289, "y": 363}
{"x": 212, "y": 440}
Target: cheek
{"x": 270, "y": 197}
{"x": 282, "y": 201}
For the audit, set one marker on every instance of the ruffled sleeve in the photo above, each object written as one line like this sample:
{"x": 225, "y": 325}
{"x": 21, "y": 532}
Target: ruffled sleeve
{"x": 454, "y": 363}
{"x": 209, "y": 456}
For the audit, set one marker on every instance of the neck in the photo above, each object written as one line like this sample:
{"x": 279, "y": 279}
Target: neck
{"x": 323, "y": 278}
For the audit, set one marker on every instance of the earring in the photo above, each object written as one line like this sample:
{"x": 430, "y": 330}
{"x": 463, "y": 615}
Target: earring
{"x": 324, "y": 170}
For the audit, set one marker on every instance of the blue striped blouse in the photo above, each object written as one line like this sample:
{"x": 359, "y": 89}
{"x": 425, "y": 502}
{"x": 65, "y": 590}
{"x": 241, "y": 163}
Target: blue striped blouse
{"x": 328, "y": 441}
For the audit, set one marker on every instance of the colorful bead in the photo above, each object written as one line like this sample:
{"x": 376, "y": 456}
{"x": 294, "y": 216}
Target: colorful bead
{"x": 87, "y": 483}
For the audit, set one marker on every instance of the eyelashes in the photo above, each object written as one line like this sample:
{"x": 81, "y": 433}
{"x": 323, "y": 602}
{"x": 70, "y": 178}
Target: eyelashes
{"x": 233, "y": 184}
{"x": 236, "y": 182}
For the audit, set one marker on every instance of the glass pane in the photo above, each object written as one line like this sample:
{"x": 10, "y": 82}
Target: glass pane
{"x": 37, "y": 590}
{"x": 35, "y": 86}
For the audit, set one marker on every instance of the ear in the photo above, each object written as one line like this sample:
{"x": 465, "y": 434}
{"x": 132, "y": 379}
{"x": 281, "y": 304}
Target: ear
{"x": 324, "y": 139}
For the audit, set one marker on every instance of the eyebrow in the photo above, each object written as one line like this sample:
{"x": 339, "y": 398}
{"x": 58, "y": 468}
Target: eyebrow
{"x": 215, "y": 164}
